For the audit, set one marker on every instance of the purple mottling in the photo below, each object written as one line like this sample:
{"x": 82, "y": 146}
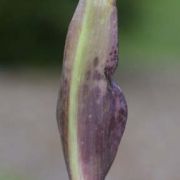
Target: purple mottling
{"x": 101, "y": 127}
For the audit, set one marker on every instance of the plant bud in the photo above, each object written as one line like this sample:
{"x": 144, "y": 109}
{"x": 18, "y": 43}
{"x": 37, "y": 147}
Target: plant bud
{"x": 92, "y": 110}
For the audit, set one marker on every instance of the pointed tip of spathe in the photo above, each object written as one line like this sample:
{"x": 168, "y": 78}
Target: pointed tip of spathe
{"x": 113, "y": 2}
{"x": 102, "y": 2}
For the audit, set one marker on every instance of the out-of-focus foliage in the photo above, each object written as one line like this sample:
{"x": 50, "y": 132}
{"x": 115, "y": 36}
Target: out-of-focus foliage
{"x": 32, "y": 33}
{"x": 155, "y": 33}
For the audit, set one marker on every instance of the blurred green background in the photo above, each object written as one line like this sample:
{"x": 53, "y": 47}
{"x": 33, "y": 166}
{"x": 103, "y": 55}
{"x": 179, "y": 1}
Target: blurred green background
{"x": 32, "y": 33}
